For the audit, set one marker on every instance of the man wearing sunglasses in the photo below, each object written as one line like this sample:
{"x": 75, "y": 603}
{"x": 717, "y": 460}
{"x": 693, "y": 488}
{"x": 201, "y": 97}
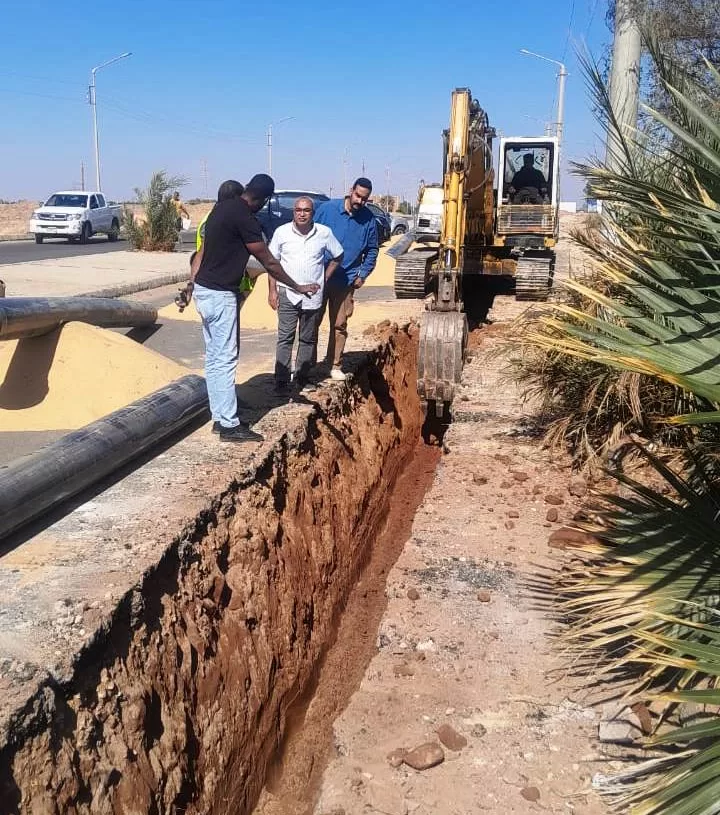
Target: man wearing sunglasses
{"x": 232, "y": 234}
{"x": 303, "y": 248}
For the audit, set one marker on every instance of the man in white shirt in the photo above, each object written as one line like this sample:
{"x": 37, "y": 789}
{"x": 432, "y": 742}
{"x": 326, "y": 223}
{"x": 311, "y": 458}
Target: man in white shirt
{"x": 303, "y": 248}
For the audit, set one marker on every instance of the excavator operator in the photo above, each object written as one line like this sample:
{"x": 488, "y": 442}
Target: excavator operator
{"x": 529, "y": 176}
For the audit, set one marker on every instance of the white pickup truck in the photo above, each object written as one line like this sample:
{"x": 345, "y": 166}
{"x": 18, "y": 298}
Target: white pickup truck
{"x": 76, "y": 216}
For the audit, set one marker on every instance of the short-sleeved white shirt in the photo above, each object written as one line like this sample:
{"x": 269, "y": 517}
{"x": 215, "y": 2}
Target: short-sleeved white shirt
{"x": 304, "y": 258}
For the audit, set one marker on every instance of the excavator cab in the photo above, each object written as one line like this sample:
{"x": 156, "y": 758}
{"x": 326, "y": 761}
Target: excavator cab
{"x": 528, "y": 191}
{"x": 527, "y": 211}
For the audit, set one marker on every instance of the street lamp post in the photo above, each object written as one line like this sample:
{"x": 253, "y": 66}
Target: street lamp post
{"x": 269, "y": 140}
{"x": 562, "y": 74}
{"x": 93, "y": 101}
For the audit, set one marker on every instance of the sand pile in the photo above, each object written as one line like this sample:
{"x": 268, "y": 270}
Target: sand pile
{"x": 256, "y": 312}
{"x": 73, "y": 376}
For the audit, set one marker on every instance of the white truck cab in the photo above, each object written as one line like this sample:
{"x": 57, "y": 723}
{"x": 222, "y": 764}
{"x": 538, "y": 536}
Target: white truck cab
{"x": 429, "y": 216}
{"x": 76, "y": 216}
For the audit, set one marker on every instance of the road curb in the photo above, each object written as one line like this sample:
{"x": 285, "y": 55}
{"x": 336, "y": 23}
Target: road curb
{"x": 124, "y": 289}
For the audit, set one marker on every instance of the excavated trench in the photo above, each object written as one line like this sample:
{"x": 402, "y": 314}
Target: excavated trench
{"x": 213, "y": 686}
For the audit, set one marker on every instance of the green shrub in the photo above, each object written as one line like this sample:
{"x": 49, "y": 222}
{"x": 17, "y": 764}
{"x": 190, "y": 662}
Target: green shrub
{"x": 158, "y": 231}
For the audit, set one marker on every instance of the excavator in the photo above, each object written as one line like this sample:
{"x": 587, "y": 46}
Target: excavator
{"x": 509, "y": 232}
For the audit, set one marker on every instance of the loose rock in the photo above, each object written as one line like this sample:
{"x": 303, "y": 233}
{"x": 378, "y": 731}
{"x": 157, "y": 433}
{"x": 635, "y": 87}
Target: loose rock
{"x": 520, "y": 476}
{"x": 565, "y": 537}
{"x": 643, "y": 713}
{"x": 477, "y": 731}
{"x": 578, "y": 487}
{"x": 513, "y": 513}
{"x": 509, "y": 525}
{"x": 450, "y": 738}
{"x": 556, "y": 500}
{"x": 552, "y": 515}
{"x": 413, "y": 594}
{"x": 425, "y": 756}
{"x": 530, "y": 793}
{"x": 479, "y": 479}
{"x": 396, "y": 757}
{"x": 484, "y": 596}
{"x": 619, "y": 724}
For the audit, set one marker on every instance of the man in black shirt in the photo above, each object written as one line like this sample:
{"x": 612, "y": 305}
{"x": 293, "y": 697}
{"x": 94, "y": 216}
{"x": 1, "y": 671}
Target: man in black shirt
{"x": 528, "y": 176}
{"x": 232, "y": 234}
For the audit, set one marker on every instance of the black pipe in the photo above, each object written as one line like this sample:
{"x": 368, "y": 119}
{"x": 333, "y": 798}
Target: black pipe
{"x": 35, "y": 483}
{"x": 33, "y": 316}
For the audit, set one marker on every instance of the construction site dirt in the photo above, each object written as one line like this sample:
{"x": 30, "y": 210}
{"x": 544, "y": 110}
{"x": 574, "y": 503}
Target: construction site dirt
{"x": 336, "y": 623}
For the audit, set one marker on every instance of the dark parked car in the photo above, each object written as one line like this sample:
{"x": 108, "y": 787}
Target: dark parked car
{"x": 279, "y": 209}
{"x": 383, "y": 222}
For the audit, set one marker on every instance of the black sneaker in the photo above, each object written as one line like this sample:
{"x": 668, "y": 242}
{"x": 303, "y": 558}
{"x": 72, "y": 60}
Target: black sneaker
{"x": 217, "y": 427}
{"x": 239, "y": 433}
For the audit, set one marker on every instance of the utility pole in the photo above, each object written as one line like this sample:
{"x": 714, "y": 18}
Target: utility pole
{"x": 92, "y": 98}
{"x": 624, "y": 78}
{"x": 269, "y": 141}
{"x": 82, "y": 176}
{"x": 204, "y": 173}
{"x": 561, "y": 77}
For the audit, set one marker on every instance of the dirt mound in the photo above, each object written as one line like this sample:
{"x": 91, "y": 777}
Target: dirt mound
{"x": 75, "y": 375}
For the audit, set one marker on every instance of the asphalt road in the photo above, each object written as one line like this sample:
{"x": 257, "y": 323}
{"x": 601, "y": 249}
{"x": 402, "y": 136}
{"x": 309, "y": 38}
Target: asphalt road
{"x": 23, "y": 251}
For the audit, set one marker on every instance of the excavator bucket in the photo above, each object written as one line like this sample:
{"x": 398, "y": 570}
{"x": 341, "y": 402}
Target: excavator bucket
{"x": 441, "y": 352}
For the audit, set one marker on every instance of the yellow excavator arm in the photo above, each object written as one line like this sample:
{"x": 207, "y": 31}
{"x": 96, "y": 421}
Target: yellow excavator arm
{"x": 471, "y": 245}
{"x": 467, "y": 216}
{"x": 457, "y": 163}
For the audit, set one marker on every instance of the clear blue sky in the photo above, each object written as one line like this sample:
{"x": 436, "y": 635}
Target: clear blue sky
{"x": 369, "y": 79}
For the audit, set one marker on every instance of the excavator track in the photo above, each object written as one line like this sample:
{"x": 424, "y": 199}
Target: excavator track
{"x": 533, "y": 278}
{"x": 412, "y": 274}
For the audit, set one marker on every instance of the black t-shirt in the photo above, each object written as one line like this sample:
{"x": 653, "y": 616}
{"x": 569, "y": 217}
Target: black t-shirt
{"x": 229, "y": 228}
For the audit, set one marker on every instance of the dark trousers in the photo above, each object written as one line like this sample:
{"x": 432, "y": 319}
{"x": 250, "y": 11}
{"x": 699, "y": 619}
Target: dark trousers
{"x": 290, "y": 316}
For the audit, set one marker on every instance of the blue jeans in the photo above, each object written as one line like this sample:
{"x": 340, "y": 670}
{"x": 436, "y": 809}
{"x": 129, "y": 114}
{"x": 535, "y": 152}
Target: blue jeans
{"x": 219, "y": 311}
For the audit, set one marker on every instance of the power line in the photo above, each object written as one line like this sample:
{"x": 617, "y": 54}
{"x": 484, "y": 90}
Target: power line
{"x": 54, "y": 80}
{"x": 592, "y": 17}
{"x": 187, "y": 126}
{"x": 570, "y": 24}
{"x": 41, "y": 95}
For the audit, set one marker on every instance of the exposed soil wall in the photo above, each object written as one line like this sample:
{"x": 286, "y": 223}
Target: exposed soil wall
{"x": 182, "y": 700}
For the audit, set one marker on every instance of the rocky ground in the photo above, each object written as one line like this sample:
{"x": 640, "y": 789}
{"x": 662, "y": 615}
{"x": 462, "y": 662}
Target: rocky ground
{"x": 444, "y": 693}
{"x": 464, "y": 707}
{"x": 465, "y": 675}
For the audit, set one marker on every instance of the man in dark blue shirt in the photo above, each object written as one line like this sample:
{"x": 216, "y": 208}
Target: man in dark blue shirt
{"x": 353, "y": 225}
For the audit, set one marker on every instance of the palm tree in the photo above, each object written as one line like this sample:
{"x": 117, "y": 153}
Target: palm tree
{"x": 641, "y": 596}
